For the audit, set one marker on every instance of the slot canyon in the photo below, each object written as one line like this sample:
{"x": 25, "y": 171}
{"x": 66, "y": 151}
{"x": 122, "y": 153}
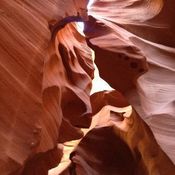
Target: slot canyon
{"x": 87, "y": 87}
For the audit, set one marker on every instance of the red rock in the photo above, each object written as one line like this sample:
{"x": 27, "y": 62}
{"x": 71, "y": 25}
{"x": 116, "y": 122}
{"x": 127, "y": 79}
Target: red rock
{"x": 46, "y": 73}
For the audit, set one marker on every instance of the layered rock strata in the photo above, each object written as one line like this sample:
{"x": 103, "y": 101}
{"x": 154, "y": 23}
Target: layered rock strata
{"x": 46, "y": 73}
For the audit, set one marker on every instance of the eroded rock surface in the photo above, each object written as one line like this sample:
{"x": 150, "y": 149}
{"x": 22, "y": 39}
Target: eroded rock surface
{"x": 46, "y": 72}
{"x": 38, "y": 92}
{"x": 140, "y": 35}
{"x": 118, "y": 138}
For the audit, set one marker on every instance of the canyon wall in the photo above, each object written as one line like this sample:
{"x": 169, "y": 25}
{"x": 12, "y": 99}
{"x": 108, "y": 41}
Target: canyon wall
{"x": 46, "y": 72}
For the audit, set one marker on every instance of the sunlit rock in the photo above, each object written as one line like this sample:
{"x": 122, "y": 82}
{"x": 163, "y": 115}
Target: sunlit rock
{"x": 87, "y": 87}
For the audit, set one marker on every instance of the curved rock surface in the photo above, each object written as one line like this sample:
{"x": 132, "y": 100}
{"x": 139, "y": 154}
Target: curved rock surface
{"x": 140, "y": 35}
{"x": 46, "y": 72}
{"x": 37, "y": 88}
{"x": 118, "y": 138}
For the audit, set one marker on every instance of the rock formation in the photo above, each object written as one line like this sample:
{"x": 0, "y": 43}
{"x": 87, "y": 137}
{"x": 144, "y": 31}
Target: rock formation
{"x": 48, "y": 116}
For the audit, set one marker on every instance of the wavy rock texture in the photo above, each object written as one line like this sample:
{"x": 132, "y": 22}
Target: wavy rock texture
{"x": 140, "y": 35}
{"x": 118, "y": 138}
{"x": 46, "y": 72}
{"x": 37, "y": 88}
{"x": 115, "y": 52}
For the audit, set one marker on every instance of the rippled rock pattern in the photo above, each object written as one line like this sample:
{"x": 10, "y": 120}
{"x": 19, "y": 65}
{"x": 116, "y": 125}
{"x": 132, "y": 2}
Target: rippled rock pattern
{"x": 49, "y": 118}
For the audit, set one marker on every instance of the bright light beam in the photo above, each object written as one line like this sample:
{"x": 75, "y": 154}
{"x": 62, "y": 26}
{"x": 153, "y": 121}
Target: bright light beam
{"x": 80, "y": 27}
{"x": 90, "y": 3}
{"x": 98, "y": 84}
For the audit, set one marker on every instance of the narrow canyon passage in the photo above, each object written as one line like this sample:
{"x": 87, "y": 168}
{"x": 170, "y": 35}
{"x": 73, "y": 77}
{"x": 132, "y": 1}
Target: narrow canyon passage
{"x": 87, "y": 87}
